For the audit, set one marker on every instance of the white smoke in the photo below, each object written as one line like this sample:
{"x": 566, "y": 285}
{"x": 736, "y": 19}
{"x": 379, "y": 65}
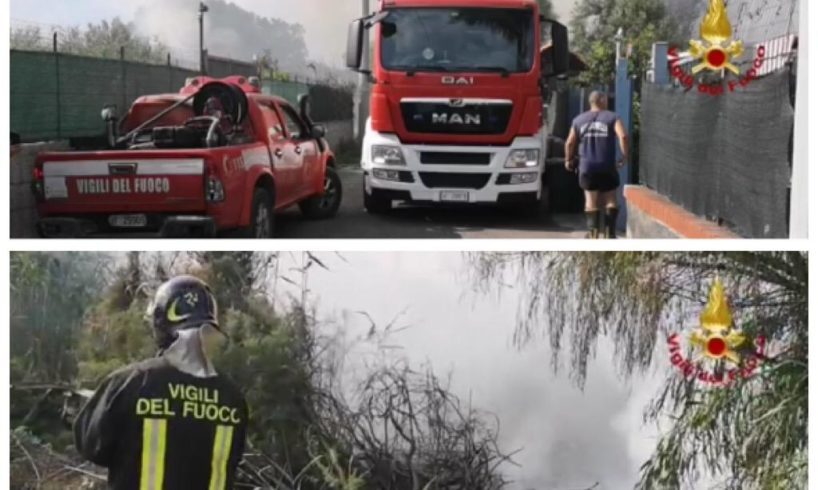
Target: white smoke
{"x": 229, "y": 34}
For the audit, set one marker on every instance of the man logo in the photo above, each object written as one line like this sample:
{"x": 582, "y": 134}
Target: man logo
{"x": 450, "y": 80}
{"x": 457, "y": 103}
{"x": 463, "y": 120}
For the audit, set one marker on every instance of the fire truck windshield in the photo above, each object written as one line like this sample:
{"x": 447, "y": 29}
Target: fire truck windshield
{"x": 458, "y": 39}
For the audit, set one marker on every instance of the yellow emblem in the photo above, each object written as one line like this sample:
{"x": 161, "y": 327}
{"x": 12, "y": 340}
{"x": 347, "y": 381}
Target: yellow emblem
{"x": 718, "y": 49}
{"x": 716, "y": 337}
{"x": 173, "y": 316}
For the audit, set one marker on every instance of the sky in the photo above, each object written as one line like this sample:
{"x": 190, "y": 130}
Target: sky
{"x": 325, "y": 33}
{"x": 569, "y": 438}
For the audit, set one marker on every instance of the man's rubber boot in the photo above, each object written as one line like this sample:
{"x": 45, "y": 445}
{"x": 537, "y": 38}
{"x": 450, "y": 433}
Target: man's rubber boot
{"x": 610, "y": 222}
{"x": 592, "y": 222}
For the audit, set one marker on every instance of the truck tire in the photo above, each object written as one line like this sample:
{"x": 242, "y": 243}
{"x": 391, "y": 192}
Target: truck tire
{"x": 262, "y": 216}
{"x": 326, "y": 205}
{"x": 376, "y": 204}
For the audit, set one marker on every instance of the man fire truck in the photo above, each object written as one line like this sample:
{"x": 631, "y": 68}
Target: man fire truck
{"x": 456, "y": 111}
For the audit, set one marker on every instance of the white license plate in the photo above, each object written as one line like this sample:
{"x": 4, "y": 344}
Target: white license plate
{"x": 128, "y": 220}
{"x": 454, "y": 196}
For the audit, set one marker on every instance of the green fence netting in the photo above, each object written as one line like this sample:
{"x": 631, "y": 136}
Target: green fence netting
{"x": 59, "y": 96}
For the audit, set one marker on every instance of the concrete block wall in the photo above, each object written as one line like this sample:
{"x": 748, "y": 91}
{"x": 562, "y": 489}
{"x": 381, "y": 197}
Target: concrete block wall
{"x": 23, "y": 211}
{"x": 651, "y": 215}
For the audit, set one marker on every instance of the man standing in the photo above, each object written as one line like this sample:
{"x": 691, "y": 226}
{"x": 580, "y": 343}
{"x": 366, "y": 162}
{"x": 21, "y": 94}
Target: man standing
{"x": 596, "y": 133}
{"x": 169, "y": 422}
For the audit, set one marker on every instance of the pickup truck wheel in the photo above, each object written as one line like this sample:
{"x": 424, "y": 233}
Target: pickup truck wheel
{"x": 326, "y": 205}
{"x": 376, "y": 204}
{"x": 262, "y": 218}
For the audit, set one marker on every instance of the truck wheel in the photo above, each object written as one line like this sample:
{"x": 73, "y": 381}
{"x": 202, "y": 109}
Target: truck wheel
{"x": 262, "y": 217}
{"x": 326, "y": 205}
{"x": 376, "y": 204}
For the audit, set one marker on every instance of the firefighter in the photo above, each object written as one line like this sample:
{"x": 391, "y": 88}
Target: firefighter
{"x": 597, "y": 133}
{"x": 169, "y": 422}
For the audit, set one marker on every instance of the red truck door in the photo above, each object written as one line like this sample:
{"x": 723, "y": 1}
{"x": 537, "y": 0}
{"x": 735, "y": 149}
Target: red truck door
{"x": 305, "y": 147}
{"x": 286, "y": 162}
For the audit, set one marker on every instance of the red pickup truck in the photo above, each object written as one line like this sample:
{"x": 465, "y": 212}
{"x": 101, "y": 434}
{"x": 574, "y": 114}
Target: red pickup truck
{"x": 219, "y": 156}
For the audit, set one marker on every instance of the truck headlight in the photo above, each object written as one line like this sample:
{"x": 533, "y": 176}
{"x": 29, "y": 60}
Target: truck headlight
{"x": 524, "y": 178}
{"x": 387, "y": 155}
{"x": 383, "y": 174}
{"x": 523, "y": 159}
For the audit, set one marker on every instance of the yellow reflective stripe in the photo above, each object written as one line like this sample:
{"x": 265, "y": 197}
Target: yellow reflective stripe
{"x": 222, "y": 443}
{"x": 154, "y": 435}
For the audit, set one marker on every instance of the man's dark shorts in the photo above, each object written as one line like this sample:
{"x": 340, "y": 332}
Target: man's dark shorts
{"x": 605, "y": 181}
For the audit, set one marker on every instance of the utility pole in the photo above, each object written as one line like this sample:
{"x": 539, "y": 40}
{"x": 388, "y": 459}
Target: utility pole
{"x": 362, "y": 91}
{"x": 203, "y": 9}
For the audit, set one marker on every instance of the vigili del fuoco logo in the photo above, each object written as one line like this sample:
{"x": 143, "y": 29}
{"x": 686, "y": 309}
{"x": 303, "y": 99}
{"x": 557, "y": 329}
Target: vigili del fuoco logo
{"x": 721, "y": 352}
{"x": 716, "y": 52}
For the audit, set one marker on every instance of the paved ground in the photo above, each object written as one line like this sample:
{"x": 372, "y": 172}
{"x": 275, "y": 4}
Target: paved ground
{"x": 423, "y": 222}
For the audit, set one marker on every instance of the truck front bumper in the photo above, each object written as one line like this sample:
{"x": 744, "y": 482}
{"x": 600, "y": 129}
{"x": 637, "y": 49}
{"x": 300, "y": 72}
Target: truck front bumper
{"x": 459, "y": 174}
{"x": 164, "y": 226}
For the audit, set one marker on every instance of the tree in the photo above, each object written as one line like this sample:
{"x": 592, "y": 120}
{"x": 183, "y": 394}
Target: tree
{"x": 103, "y": 40}
{"x": 753, "y": 433}
{"x": 594, "y": 24}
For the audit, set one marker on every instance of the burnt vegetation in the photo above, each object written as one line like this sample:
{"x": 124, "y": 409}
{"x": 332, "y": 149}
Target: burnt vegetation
{"x": 76, "y": 317}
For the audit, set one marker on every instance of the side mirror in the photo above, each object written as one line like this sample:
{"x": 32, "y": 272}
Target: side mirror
{"x": 319, "y": 131}
{"x": 355, "y": 41}
{"x": 555, "y": 55}
{"x": 109, "y": 116}
{"x": 109, "y": 113}
{"x": 304, "y": 106}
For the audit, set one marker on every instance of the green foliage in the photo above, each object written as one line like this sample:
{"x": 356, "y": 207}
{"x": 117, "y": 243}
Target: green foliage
{"x": 103, "y": 40}
{"x": 50, "y": 294}
{"x": 755, "y": 432}
{"x": 113, "y": 338}
{"x": 266, "y": 354}
{"x": 337, "y": 475}
{"x": 594, "y": 24}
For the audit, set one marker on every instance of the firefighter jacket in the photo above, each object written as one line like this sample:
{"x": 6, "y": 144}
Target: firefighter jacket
{"x": 155, "y": 427}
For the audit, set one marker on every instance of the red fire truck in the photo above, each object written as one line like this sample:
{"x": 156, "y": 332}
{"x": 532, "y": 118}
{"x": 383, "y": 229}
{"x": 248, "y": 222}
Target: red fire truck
{"x": 456, "y": 110}
{"x": 218, "y": 156}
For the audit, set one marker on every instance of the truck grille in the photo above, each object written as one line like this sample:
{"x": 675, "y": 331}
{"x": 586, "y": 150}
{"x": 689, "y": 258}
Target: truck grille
{"x": 445, "y": 158}
{"x": 434, "y": 180}
{"x": 453, "y": 117}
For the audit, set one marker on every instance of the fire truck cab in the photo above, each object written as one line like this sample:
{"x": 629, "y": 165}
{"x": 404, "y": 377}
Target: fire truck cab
{"x": 456, "y": 108}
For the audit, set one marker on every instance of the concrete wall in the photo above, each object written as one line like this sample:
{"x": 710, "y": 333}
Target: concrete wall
{"x": 23, "y": 211}
{"x": 651, "y": 215}
{"x": 642, "y": 224}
